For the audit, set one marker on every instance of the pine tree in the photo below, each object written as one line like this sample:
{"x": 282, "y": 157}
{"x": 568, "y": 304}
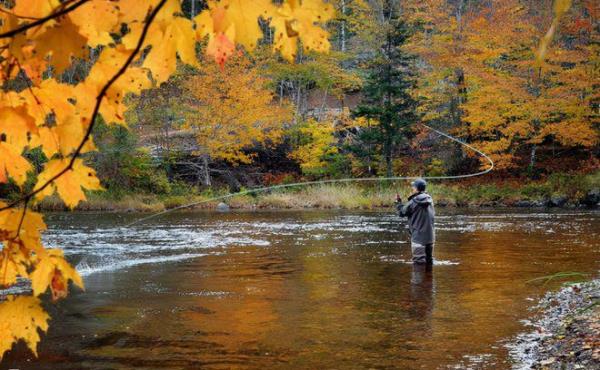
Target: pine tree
{"x": 387, "y": 92}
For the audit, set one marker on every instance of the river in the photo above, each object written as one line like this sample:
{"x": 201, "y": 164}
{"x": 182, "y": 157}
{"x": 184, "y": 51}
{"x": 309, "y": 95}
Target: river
{"x": 305, "y": 290}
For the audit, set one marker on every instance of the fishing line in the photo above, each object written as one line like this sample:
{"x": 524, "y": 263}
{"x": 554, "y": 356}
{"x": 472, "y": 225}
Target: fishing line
{"x": 331, "y": 181}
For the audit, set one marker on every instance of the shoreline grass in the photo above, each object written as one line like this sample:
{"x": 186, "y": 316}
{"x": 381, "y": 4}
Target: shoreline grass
{"x": 568, "y": 190}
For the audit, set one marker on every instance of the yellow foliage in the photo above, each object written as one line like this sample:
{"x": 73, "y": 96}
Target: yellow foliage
{"x": 316, "y": 142}
{"x": 69, "y": 185}
{"x": 229, "y": 21}
{"x": 135, "y": 45}
{"x": 52, "y": 270}
{"x": 22, "y": 318}
{"x": 484, "y": 62}
{"x": 233, "y": 109}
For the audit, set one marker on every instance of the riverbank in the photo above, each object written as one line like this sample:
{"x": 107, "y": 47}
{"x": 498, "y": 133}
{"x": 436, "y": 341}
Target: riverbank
{"x": 566, "y": 335}
{"x": 558, "y": 191}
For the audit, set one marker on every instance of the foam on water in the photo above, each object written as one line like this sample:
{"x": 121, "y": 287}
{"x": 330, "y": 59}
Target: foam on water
{"x": 107, "y": 246}
{"x": 85, "y": 269}
{"x": 395, "y": 259}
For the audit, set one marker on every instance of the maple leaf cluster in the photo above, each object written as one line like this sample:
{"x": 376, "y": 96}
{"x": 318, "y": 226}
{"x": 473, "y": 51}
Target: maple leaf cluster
{"x": 132, "y": 45}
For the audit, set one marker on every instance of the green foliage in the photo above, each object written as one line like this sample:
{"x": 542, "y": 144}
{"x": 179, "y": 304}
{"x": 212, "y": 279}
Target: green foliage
{"x": 566, "y": 183}
{"x": 436, "y": 168}
{"x": 318, "y": 71}
{"x": 388, "y": 100}
{"x": 123, "y": 166}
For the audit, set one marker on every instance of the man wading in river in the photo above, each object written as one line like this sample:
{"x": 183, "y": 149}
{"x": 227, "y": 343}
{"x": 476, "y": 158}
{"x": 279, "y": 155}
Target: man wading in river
{"x": 420, "y": 213}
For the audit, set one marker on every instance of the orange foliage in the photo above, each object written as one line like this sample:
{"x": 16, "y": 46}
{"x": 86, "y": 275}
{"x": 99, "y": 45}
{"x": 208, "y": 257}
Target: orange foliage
{"x": 506, "y": 99}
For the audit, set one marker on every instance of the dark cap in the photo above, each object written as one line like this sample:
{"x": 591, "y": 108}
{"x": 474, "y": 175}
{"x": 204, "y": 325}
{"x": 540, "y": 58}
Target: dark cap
{"x": 419, "y": 184}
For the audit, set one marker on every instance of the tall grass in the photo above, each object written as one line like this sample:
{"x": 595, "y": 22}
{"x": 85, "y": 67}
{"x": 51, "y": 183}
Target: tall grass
{"x": 348, "y": 196}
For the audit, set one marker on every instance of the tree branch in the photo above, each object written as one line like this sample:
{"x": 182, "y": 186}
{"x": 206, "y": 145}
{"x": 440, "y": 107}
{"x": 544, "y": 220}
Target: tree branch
{"x": 43, "y": 20}
{"x": 96, "y": 111}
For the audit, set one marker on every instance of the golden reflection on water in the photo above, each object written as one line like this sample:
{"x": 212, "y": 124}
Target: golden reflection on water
{"x": 334, "y": 300}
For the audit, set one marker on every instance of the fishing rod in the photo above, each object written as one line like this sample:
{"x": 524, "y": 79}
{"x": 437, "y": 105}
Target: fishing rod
{"x": 331, "y": 181}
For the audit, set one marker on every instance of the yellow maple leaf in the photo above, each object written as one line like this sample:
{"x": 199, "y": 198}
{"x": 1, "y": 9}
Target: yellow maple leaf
{"x": 46, "y": 267}
{"x": 28, "y": 233}
{"x": 70, "y": 133}
{"x": 62, "y": 42}
{"x": 12, "y": 264}
{"x": 177, "y": 38}
{"x": 16, "y": 126}
{"x": 47, "y": 140}
{"x": 12, "y": 164}
{"x": 241, "y": 15}
{"x": 109, "y": 62}
{"x": 131, "y": 11}
{"x": 183, "y": 37}
{"x": 96, "y": 19}
{"x": 50, "y": 96}
{"x": 21, "y": 318}
{"x": 69, "y": 185}
{"x": 34, "y": 8}
{"x": 297, "y": 19}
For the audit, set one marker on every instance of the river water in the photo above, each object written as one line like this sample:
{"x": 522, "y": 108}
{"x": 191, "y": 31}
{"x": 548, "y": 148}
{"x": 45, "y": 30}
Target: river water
{"x": 305, "y": 290}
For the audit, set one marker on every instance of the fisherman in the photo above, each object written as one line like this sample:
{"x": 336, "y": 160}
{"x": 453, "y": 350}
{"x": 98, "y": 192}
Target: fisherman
{"x": 420, "y": 213}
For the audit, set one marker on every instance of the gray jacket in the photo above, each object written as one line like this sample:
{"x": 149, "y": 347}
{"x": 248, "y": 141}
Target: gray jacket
{"x": 420, "y": 213}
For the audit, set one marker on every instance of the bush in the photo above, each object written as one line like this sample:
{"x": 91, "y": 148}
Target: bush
{"x": 122, "y": 166}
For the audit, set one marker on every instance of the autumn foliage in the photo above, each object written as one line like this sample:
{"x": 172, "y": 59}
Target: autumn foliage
{"x": 499, "y": 74}
{"x": 508, "y": 76}
{"x": 132, "y": 45}
{"x": 231, "y": 109}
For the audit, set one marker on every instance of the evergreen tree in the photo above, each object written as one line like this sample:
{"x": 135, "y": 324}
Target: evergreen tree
{"x": 387, "y": 93}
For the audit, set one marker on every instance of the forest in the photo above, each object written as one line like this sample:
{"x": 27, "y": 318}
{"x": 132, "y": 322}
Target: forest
{"x": 518, "y": 80}
{"x": 264, "y": 119}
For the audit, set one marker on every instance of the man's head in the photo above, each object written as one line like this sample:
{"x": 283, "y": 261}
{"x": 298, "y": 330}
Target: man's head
{"x": 418, "y": 185}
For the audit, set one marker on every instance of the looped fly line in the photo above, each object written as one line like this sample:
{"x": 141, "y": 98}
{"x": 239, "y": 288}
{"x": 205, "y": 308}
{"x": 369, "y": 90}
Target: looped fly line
{"x": 331, "y": 181}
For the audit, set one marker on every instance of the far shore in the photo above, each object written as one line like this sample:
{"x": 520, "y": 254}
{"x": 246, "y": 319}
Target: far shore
{"x": 346, "y": 197}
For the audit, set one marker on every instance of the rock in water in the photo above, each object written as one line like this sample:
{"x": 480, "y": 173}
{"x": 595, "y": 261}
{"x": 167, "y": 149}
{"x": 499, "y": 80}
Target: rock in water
{"x": 592, "y": 198}
{"x": 222, "y": 207}
{"x": 558, "y": 201}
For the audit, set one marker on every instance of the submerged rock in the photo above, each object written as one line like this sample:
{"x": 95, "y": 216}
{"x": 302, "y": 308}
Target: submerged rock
{"x": 557, "y": 201}
{"x": 222, "y": 207}
{"x": 528, "y": 203}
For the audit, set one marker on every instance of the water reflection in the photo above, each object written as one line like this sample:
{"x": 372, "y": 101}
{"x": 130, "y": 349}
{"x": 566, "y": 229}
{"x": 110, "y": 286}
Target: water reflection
{"x": 304, "y": 290}
{"x": 421, "y": 293}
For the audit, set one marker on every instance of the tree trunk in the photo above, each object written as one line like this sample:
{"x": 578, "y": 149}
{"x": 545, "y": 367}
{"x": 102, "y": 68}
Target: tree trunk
{"x": 387, "y": 152}
{"x": 532, "y": 159}
{"x": 207, "y": 180}
{"x": 343, "y": 28}
{"x": 234, "y": 184}
{"x": 388, "y": 165}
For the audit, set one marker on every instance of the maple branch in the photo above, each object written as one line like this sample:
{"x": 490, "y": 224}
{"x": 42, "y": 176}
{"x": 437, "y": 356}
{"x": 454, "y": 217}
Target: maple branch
{"x": 99, "y": 98}
{"x": 22, "y": 219}
{"x": 49, "y": 17}
{"x": 2, "y": 10}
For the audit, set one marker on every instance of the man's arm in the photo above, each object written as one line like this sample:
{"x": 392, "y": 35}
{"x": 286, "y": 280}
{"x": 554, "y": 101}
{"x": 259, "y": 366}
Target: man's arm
{"x": 404, "y": 210}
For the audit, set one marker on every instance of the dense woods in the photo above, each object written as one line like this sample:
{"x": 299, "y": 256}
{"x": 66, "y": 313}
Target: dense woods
{"x": 471, "y": 68}
{"x": 474, "y": 69}
{"x": 177, "y": 97}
